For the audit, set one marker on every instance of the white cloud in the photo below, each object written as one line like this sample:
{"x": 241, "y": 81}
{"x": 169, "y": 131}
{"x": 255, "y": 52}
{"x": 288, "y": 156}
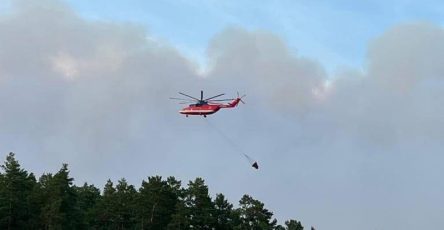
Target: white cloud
{"x": 65, "y": 65}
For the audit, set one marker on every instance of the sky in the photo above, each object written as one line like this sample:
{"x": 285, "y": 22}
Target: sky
{"x": 343, "y": 109}
{"x": 333, "y": 32}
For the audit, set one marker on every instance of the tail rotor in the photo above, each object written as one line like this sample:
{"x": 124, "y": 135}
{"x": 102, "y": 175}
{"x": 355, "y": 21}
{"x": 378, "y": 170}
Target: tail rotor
{"x": 240, "y": 97}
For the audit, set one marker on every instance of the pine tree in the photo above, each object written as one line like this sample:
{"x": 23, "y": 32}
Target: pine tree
{"x": 125, "y": 204}
{"x": 106, "y": 208}
{"x": 59, "y": 208}
{"x": 55, "y": 203}
{"x": 294, "y": 225}
{"x": 16, "y": 187}
{"x": 253, "y": 215}
{"x": 180, "y": 219}
{"x": 200, "y": 206}
{"x": 223, "y": 213}
{"x": 88, "y": 197}
{"x": 195, "y": 210}
{"x": 117, "y": 208}
{"x": 156, "y": 202}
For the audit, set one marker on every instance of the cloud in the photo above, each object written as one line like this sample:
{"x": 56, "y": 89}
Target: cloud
{"x": 74, "y": 78}
{"x": 81, "y": 83}
{"x": 407, "y": 55}
{"x": 397, "y": 98}
{"x": 263, "y": 64}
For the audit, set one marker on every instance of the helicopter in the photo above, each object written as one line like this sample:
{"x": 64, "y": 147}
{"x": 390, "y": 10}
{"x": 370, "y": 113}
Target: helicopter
{"x": 208, "y": 106}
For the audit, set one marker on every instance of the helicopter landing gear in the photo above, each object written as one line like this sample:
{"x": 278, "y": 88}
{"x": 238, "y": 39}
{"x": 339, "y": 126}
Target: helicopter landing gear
{"x": 205, "y": 115}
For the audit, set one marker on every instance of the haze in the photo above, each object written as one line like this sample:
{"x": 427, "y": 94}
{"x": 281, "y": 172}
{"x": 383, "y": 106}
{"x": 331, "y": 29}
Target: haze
{"x": 343, "y": 116}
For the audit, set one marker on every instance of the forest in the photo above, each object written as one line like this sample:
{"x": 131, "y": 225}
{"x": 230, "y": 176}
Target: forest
{"x": 55, "y": 202}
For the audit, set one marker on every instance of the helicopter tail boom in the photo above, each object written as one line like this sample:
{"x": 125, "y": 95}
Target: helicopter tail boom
{"x": 232, "y": 104}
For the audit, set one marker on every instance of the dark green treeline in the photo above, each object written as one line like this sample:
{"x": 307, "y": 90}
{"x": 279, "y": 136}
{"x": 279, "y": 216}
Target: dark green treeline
{"x": 54, "y": 202}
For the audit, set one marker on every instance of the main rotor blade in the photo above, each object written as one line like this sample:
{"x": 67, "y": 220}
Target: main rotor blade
{"x": 201, "y": 95}
{"x": 186, "y": 95}
{"x": 182, "y": 99}
{"x": 222, "y": 99}
{"x": 214, "y": 96}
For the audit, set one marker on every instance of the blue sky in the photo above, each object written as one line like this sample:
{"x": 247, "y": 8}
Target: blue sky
{"x": 336, "y": 33}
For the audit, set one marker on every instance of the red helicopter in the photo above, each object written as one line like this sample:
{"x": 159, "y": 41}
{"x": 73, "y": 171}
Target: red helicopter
{"x": 208, "y": 106}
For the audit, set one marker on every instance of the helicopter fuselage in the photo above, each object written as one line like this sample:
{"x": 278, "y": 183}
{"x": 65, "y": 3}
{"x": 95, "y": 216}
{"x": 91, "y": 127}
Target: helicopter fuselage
{"x": 204, "y": 109}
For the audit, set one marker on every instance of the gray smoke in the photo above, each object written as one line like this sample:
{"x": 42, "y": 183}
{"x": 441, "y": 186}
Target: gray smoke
{"x": 91, "y": 87}
{"x": 398, "y": 97}
{"x": 263, "y": 65}
{"x": 95, "y": 94}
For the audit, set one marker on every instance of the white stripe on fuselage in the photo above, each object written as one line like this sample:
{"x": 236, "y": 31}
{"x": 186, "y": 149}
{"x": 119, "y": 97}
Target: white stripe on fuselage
{"x": 196, "y": 111}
